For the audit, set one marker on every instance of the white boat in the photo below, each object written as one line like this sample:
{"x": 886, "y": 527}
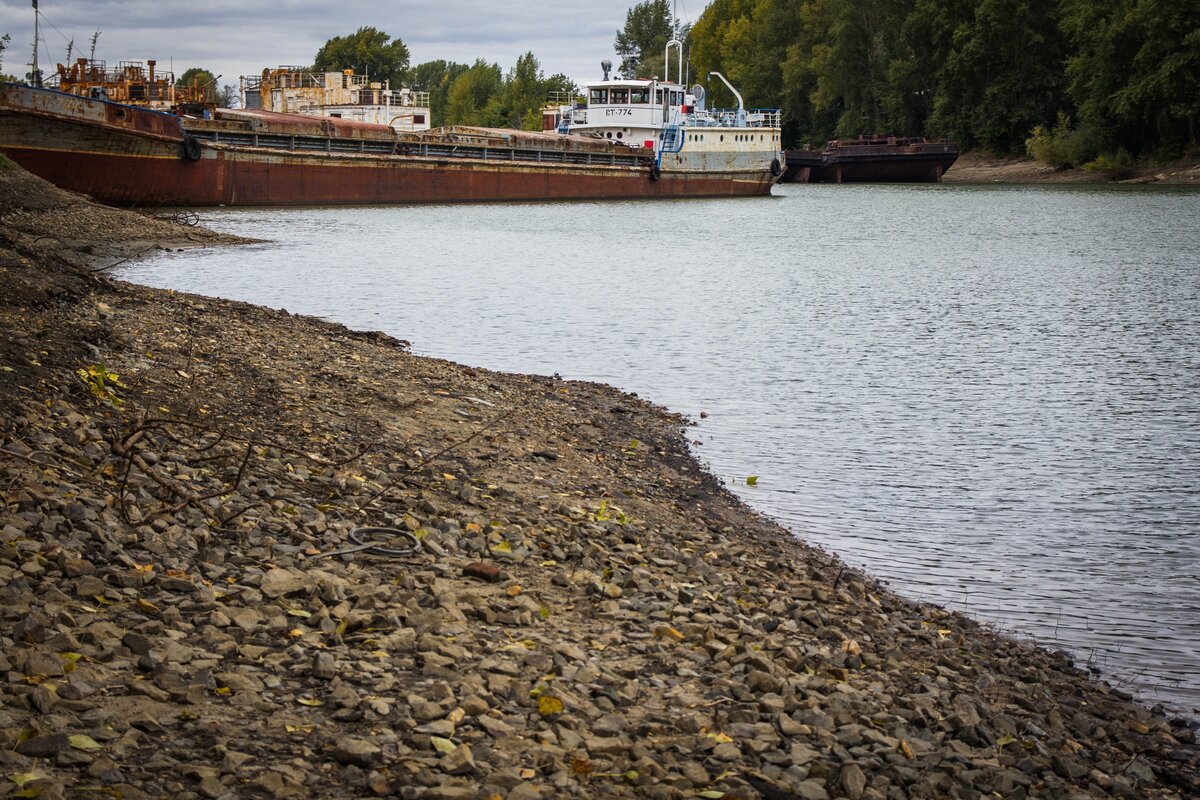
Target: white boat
{"x": 672, "y": 119}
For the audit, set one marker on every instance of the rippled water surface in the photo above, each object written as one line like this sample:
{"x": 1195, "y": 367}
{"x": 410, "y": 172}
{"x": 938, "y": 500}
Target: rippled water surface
{"x": 987, "y": 396}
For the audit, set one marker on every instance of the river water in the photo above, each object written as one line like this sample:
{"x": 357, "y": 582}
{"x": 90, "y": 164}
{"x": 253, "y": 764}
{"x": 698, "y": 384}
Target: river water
{"x": 989, "y": 397}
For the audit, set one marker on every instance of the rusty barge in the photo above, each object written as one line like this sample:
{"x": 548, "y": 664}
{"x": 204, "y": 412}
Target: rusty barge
{"x": 872, "y": 159}
{"x": 135, "y": 155}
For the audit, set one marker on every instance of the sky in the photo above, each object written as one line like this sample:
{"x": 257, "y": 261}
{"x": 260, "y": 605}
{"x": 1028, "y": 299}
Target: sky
{"x": 241, "y": 37}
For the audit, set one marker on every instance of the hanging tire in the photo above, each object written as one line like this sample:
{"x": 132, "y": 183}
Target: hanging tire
{"x": 190, "y": 149}
{"x": 655, "y": 172}
{"x": 776, "y": 167}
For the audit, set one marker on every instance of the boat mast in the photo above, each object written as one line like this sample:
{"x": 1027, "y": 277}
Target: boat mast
{"x": 35, "y": 77}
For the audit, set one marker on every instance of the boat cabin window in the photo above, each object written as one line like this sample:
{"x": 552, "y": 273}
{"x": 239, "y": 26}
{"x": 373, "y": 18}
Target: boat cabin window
{"x": 639, "y": 96}
{"x": 619, "y": 96}
{"x": 658, "y": 96}
{"x": 598, "y": 97}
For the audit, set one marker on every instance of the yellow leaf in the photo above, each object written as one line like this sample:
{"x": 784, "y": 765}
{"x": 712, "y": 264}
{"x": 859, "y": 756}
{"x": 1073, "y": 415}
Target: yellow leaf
{"x": 448, "y": 477}
{"x": 147, "y": 606}
{"x": 224, "y": 691}
{"x": 442, "y": 745}
{"x": 69, "y": 660}
{"x": 549, "y": 705}
{"x": 309, "y": 701}
{"x": 81, "y": 741}
{"x": 503, "y": 547}
{"x": 341, "y": 628}
{"x": 295, "y": 633}
{"x": 752, "y": 480}
{"x": 514, "y": 590}
{"x": 299, "y": 612}
{"x": 22, "y": 778}
{"x": 719, "y": 737}
{"x": 667, "y": 632}
{"x": 474, "y": 527}
{"x": 299, "y": 728}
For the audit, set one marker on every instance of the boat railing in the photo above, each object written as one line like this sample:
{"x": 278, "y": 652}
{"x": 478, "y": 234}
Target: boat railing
{"x": 442, "y": 150}
{"x": 737, "y": 118}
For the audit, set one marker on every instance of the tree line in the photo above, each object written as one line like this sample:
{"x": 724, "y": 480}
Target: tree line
{"x": 1071, "y": 80}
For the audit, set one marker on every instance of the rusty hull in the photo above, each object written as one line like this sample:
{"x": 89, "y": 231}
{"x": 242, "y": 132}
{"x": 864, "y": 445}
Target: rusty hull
{"x": 130, "y": 156}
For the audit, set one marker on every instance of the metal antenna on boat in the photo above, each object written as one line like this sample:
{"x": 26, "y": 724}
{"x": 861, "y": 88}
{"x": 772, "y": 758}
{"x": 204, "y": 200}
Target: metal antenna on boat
{"x": 95, "y": 36}
{"x": 35, "y": 77}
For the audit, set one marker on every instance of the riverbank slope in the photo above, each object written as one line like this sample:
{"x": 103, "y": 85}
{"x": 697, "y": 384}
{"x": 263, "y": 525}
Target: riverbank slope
{"x": 587, "y": 613}
{"x": 978, "y": 167}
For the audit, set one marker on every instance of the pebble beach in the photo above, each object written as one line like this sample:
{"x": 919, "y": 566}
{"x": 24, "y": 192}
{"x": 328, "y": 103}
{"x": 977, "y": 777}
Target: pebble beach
{"x": 559, "y": 601}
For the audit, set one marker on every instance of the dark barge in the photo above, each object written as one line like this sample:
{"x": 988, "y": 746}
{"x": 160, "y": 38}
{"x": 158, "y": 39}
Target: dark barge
{"x": 872, "y": 159}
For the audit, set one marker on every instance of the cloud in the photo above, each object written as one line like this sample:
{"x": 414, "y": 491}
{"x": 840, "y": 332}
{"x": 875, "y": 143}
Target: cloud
{"x": 235, "y": 37}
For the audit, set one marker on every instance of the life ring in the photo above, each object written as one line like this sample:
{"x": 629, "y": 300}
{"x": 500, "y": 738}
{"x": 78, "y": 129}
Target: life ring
{"x": 776, "y": 167}
{"x": 190, "y": 149}
{"x": 655, "y": 172}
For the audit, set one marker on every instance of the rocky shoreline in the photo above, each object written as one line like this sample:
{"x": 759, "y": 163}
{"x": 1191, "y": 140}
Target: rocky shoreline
{"x": 978, "y": 167}
{"x": 565, "y": 605}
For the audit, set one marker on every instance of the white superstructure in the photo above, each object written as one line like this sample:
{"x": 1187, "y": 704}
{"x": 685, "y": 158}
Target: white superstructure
{"x": 293, "y": 90}
{"x": 672, "y": 120}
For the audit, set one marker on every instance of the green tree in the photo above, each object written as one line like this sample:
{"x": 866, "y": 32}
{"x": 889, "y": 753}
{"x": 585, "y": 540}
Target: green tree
{"x": 471, "y": 99}
{"x": 436, "y": 77}
{"x": 198, "y": 76}
{"x": 1003, "y": 75}
{"x": 1134, "y": 73}
{"x": 641, "y": 43}
{"x": 367, "y": 51}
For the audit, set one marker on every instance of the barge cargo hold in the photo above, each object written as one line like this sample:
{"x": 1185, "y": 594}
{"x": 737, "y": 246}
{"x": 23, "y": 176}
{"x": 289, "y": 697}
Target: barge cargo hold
{"x": 129, "y": 155}
{"x": 880, "y": 159}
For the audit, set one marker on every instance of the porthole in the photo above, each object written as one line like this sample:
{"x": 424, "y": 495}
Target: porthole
{"x": 619, "y": 134}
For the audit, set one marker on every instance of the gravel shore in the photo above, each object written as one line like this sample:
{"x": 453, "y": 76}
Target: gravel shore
{"x": 978, "y": 167}
{"x": 567, "y": 605}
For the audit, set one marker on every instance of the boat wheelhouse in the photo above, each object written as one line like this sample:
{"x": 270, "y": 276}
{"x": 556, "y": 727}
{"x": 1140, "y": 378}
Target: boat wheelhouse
{"x": 673, "y": 121}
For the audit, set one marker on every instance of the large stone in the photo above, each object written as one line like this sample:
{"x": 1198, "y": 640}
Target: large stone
{"x": 353, "y": 750}
{"x": 279, "y": 582}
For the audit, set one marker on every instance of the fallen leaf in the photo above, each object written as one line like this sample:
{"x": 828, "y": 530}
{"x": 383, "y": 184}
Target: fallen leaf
{"x": 309, "y": 701}
{"x": 503, "y": 547}
{"x": 299, "y": 612}
{"x": 752, "y": 480}
{"x": 667, "y": 632}
{"x": 549, "y": 705}
{"x": 22, "y": 778}
{"x": 81, "y": 741}
{"x": 147, "y": 606}
{"x": 442, "y": 745}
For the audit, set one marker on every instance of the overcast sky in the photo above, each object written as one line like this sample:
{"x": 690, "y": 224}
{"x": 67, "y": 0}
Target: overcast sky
{"x": 241, "y": 37}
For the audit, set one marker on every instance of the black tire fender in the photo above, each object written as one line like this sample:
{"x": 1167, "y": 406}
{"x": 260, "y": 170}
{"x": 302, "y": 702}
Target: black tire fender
{"x": 776, "y": 167}
{"x": 655, "y": 172}
{"x": 190, "y": 149}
